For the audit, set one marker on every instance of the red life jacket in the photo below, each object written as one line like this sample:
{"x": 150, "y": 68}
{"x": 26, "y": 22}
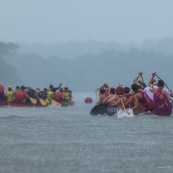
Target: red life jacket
{"x": 159, "y": 98}
{"x": 58, "y": 96}
{"x": 19, "y": 96}
{"x": 1, "y": 88}
{"x": 146, "y": 101}
{"x": 162, "y": 103}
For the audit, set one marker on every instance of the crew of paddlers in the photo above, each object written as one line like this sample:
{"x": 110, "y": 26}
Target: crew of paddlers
{"x": 28, "y": 95}
{"x": 139, "y": 97}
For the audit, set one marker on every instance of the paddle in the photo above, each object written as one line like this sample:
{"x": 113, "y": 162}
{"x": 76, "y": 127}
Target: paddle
{"x": 123, "y": 104}
{"x": 53, "y": 102}
{"x": 97, "y": 93}
{"x": 143, "y": 81}
{"x": 126, "y": 112}
{"x": 33, "y": 101}
{"x": 43, "y": 103}
{"x": 71, "y": 102}
{"x": 164, "y": 82}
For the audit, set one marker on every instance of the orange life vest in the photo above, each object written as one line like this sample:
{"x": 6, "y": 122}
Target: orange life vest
{"x": 19, "y": 96}
{"x": 58, "y": 96}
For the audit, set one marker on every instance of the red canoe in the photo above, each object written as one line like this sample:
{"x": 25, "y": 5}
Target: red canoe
{"x": 13, "y": 104}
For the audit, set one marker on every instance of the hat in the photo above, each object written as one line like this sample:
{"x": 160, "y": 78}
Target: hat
{"x": 120, "y": 90}
{"x": 66, "y": 87}
{"x": 9, "y": 86}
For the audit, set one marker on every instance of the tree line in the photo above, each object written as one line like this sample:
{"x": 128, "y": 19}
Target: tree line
{"x": 81, "y": 73}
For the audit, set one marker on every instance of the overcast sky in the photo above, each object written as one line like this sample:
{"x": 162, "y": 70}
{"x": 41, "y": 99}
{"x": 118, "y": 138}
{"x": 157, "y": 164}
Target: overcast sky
{"x": 56, "y": 21}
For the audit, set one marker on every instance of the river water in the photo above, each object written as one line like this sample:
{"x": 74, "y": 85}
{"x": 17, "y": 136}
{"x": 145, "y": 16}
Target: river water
{"x": 68, "y": 139}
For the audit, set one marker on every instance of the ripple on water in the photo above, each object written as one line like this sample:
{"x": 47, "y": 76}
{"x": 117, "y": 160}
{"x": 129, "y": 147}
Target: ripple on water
{"x": 70, "y": 140}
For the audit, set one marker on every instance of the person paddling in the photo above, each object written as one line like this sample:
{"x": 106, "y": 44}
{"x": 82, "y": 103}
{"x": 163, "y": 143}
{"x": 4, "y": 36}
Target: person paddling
{"x": 141, "y": 84}
{"x": 30, "y": 93}
{"x": 111, "y": 99}
{"x": 127, "y": 98}
{"x": 2, "y": 94}
{"x": 151, "y": 82}
{"x": 42, "y": 96}
{"x": 58, "y": 95}
{"x": 162, "y": 101}
{"x": 66, "y": 96}
{"x": 20, "y": 95}
{"x": 100, "y": 108}
{"x": 53, "y": 89}
{"x": 10, "y": 94}
{"x": 102, "y": 96}
{"x": 141, "y": 97}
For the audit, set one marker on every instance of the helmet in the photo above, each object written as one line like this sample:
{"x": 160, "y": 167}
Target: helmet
{"x": 9, "y": 86}
{"x": 66, "y": 87}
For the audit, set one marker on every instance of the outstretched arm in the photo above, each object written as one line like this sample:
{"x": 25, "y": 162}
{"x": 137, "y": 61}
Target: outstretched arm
{"x": 59, "y": 86}
{"x": 54, "y": 89}
{"x": 152, "y": 78}
{"x": 137, "y": 77}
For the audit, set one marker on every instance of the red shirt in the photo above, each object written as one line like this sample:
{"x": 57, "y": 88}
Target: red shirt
{"x": 58, "y": 96}
{"x": 146, "y": 101}
{"x": 19, "y": 96}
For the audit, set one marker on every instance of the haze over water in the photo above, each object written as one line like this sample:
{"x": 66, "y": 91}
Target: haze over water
{"x": 57, "y": 21}
{"x": 84, "y": 44}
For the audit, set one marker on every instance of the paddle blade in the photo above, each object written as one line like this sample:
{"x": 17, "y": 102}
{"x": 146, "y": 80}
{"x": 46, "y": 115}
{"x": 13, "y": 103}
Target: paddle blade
{"x": 97, "y": 93}
{"x": 71, "y": 103}
{"x": 33, "y": 100}
{"x": 43, "y": 103}
{"x": 55, "y": 103}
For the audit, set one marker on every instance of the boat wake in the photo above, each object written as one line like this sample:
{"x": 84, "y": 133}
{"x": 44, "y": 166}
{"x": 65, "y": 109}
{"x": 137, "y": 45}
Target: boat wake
{"x": 128, "y": 113}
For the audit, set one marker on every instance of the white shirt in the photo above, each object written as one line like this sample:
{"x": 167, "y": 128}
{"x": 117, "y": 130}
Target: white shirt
{"x": 150, "y": 94}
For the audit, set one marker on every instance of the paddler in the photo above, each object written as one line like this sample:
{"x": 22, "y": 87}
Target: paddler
{"x": 20, "y": 95}
{"x": 141, "y": 97}
{"x": 2, "y": 94}
{"x": 10, "y": 94}
{"x": 162, "y": 100}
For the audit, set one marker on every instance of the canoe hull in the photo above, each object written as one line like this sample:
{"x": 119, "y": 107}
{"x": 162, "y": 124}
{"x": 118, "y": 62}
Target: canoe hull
{"x": 14, "y": 104}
